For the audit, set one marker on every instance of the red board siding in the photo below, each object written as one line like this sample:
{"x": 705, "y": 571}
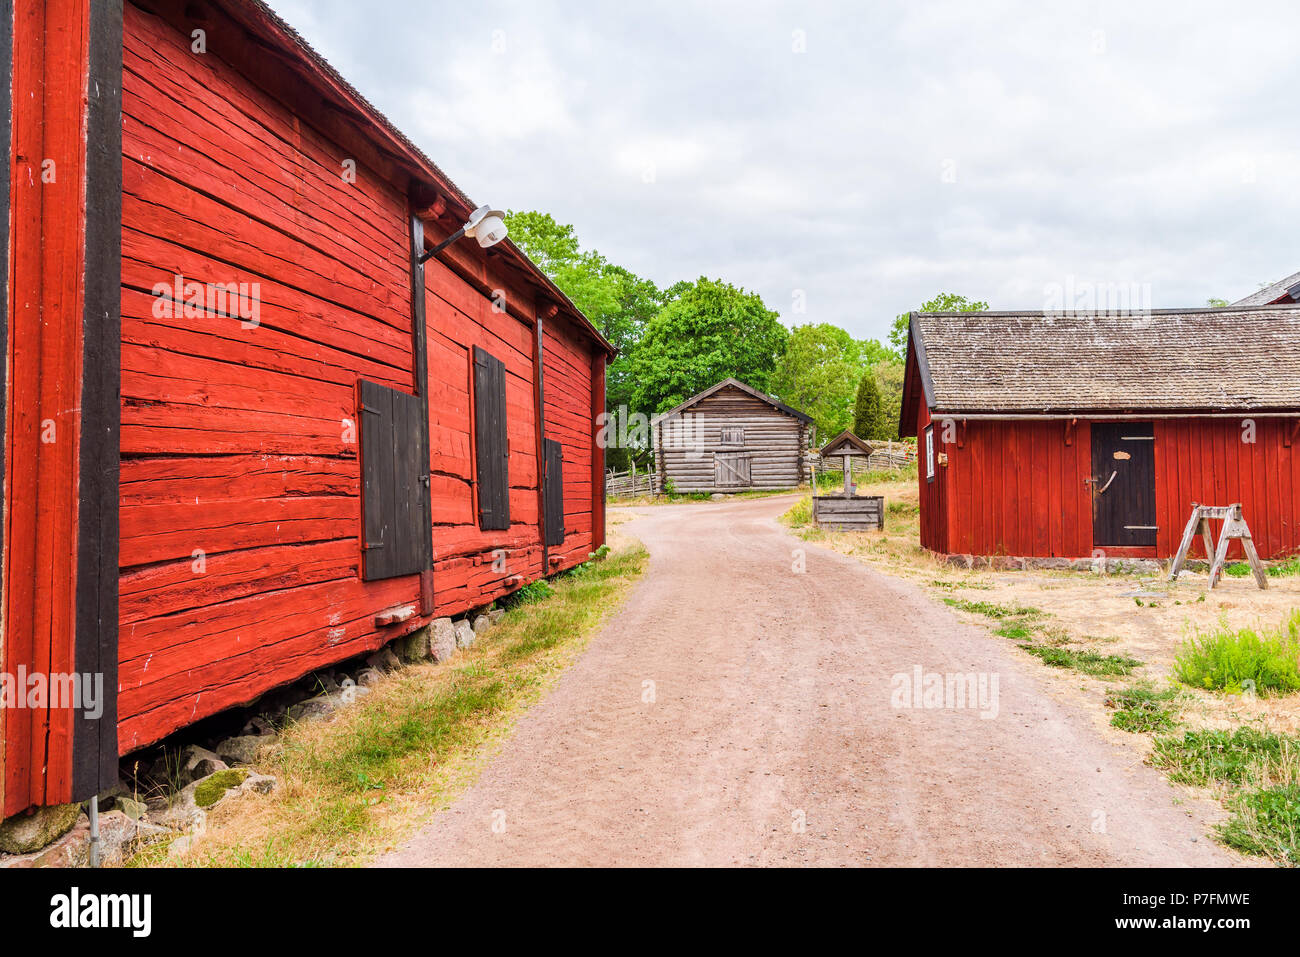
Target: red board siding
{"x": 568, "y": 393}
{"x": 466, "y": 567}
{"x": 43, "y": 392}
{"x": 239, "y": 557}
{"x": 239, "y": 496}
{"x": 1017, "y": 488}
{"x": 1210, "y": 462}
{"x": 934, "y": 494}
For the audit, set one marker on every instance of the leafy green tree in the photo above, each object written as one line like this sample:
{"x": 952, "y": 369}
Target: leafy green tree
{"x": 618, "y": 302}
{"x": 709, "y": 331}
{"x": 944, "y": 302}
{"x": 889, "y": 383}
{"x": 868, "y": 411}
{"x": 1217, "y": 303}
{"x": 818, "y": 373}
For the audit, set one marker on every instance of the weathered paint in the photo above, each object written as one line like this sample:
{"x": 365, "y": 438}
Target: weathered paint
{"x": 1019, "y": 488}
{"x": 236, "y": 541}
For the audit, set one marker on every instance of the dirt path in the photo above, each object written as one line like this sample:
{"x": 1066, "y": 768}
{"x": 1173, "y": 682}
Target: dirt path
{"x": 771, "y": 705}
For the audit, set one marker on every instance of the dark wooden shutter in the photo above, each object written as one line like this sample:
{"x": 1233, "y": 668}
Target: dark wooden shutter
{"x": 553, "y": 453}
{"x": 490, "y": 441}
{"x": 395, "y": 483}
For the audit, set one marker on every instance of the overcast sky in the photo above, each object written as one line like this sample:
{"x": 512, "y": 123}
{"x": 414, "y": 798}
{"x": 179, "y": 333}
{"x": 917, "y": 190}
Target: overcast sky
{"x": 868, "y": 155}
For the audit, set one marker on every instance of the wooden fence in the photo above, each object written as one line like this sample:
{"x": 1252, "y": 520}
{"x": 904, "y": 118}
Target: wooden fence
{"x": 631, "y": 483}
{"x": 887, "y": 455}
{"x": 645, "y": 481}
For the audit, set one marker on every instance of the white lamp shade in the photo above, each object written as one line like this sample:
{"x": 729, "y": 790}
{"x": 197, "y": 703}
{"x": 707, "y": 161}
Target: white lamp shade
{"x": 490, "y": 231}
{"x": 487, "y": 225}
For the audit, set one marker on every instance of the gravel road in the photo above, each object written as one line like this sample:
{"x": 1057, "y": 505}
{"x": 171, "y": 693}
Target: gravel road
{"x": 737, "y": 712}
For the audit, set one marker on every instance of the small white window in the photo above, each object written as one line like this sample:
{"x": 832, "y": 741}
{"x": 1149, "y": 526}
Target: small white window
{"x": 929, "y": 454}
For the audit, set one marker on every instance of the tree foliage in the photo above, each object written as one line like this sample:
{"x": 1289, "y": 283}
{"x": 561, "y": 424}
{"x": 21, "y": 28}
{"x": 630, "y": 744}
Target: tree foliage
{"x": 818, "y": 373}
{"x": 869, "y": 410}
{"x": 710, "y": 331}
{"x": 618, "y": 302}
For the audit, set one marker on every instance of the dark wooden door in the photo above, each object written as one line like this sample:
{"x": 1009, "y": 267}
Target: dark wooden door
{"x": 553, "y": 486}
{"x": 1123, "y": 485}
{"x": 491, "y": 442}
{"x": 395, "y": 505}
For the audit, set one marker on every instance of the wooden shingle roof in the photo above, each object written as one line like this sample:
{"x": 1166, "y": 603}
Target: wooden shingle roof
{"x": 846, "y": 443}
{"x": 735, "y": 384}
{"x": 1278, "y": 292}
{"x": 1195, "y": 360}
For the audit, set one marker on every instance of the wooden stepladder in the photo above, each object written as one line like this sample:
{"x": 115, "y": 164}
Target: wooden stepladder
{"x": 1234, "y": 527}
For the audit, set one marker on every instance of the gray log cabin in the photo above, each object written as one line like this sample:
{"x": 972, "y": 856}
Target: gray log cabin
{"x": 731, "y": 438}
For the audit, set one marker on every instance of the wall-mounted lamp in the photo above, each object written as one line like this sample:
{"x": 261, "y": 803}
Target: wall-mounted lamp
{"x": 485, "y": 224}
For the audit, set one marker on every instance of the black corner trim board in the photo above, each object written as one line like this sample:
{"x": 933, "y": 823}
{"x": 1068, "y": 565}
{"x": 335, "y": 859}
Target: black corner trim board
{"x": 420, "y": 332}
{"x": 94, "y": 742}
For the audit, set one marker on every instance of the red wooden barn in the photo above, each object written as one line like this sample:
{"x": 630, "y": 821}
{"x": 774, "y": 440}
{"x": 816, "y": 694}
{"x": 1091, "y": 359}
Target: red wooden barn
{"x": 1077, "y": 435}
{"x": 245, "y": 428}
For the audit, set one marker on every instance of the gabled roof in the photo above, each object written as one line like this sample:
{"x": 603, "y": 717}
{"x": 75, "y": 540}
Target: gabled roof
{"x": 1285, "y": 291}
{"x": 845, "y": 443}
{"x": 291, "y": 52}
{"x": 734, "y": 383}
{"x": 1166, "y": 360}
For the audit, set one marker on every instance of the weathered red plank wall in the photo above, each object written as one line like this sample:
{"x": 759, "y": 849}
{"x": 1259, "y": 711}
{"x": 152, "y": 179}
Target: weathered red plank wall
{"x": 240, "y": 502}
{"x": 934, "y": 494}
{"x": 46, "y": 379}
{"x": 568, "y": 394}
{"x": 1212, "y": 462}
{"x": 1017, "y": 488}
{"x": 472, "y": 566}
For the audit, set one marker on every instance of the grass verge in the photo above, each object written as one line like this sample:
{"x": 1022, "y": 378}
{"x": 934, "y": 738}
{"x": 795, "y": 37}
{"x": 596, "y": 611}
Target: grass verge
{"x": 354, "y": 785}
{"x": 1266, "y": 822}
{"x": 1266, "y": 661}
{"x": 1086, "y": 662}
{"x": 1143, "y": 709}
{"x": 991, "y": 610}
{"x": 1257, "y": 772}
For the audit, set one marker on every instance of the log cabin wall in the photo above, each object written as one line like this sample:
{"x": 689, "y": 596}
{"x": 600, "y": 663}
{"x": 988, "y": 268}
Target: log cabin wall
{"x": 773, "y": 443}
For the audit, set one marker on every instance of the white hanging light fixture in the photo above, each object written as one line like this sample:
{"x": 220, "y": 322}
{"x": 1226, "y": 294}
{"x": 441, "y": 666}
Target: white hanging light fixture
{"x": 485, "y": 224}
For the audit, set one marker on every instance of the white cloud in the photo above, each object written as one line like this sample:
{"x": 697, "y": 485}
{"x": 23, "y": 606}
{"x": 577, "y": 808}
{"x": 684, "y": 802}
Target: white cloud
{"x": 1100, "y": 139}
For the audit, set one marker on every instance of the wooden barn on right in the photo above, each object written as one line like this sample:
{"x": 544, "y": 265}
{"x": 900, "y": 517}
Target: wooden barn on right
{"x": 1077, "y": 435}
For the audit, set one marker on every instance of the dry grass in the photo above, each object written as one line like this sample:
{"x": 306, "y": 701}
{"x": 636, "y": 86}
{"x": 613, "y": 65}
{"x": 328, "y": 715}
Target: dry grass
{"x": 357, "y": 784}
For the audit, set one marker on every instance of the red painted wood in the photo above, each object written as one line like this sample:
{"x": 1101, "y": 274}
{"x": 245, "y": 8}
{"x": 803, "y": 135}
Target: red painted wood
{"x": 42, "y": 432}
{"x": 1019, "y": 489}
{"x": 240, "y": 489}
{"x": 235, "y": 441}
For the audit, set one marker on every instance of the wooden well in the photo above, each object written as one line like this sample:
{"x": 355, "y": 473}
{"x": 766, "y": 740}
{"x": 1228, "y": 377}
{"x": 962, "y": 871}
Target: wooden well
{"x": 848, "y": 512}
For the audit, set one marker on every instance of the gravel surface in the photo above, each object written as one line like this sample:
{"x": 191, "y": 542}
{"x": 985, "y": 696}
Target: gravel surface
{"x": 770, "y": 735}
